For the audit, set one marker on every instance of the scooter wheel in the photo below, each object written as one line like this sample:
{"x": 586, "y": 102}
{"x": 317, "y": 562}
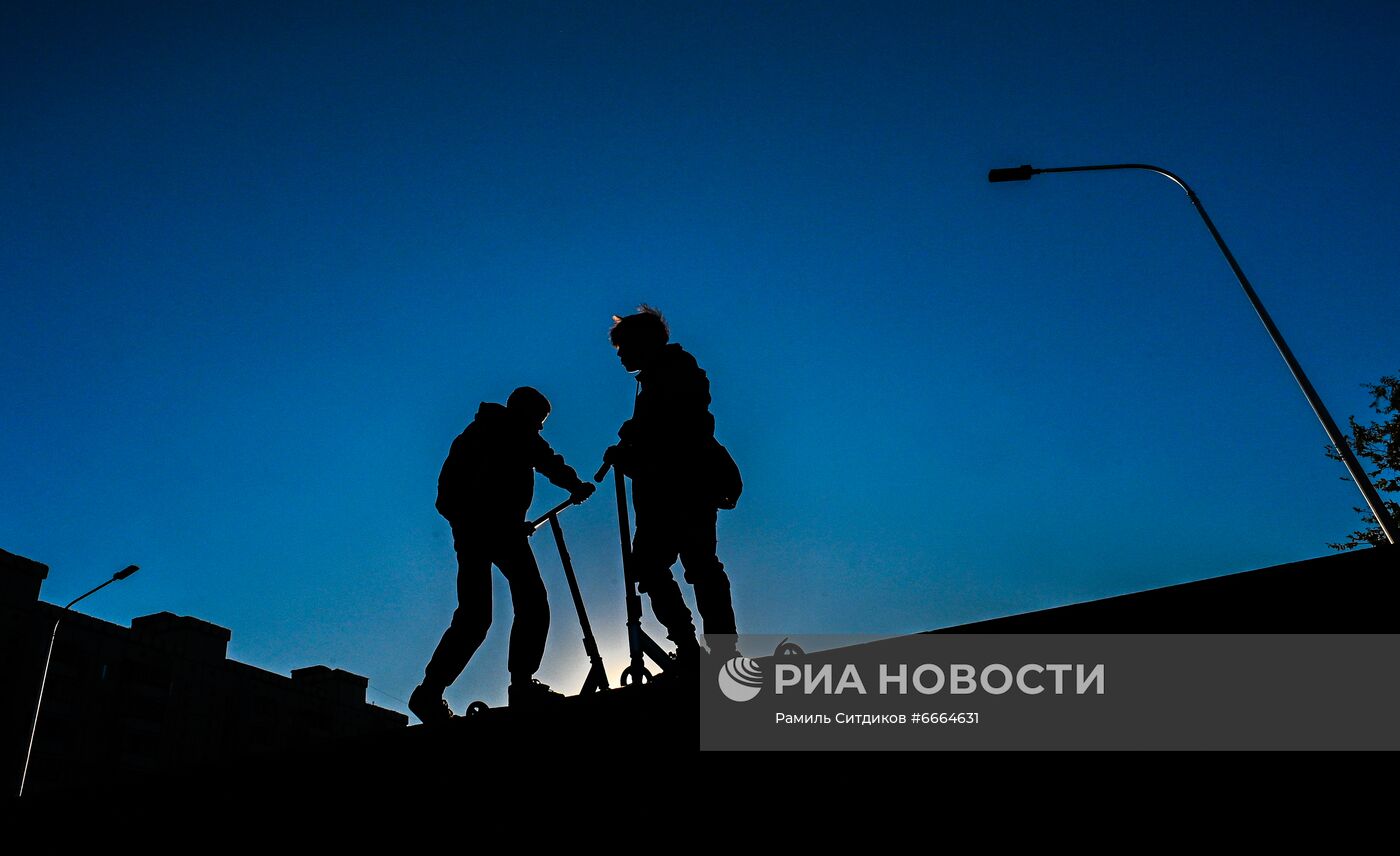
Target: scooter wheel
{"x": 477, "y": 707}
{"x": 635, "y": 675}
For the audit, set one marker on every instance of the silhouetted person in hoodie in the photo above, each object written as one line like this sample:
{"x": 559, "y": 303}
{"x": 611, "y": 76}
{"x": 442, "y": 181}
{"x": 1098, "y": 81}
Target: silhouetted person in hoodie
{"x": 484, "y": 491}
{"x": 668, "y": 449}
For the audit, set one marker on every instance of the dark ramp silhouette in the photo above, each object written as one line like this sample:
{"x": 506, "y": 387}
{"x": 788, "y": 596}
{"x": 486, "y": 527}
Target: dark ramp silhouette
{"x": 681, "y": 476}
{"x": 484, "y": 491}
{"x": 1348, "y": 593}
{"x": 583, "y": 740}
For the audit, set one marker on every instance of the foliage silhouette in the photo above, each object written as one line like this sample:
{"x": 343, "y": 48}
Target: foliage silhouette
{"x": 1377, "y": 446}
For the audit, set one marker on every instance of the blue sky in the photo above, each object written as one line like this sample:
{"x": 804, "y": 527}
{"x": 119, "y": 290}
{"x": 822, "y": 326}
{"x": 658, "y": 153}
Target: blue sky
{"x": 262, "y": 261}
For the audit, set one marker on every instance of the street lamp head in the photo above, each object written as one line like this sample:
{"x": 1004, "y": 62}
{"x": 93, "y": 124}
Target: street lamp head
{"x": 1012, "y": 173}
{"x": 125, "y": 572}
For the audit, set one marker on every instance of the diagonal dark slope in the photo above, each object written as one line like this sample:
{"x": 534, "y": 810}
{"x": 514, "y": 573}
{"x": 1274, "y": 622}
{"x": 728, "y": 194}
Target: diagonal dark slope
{"x": 1352, "y": 592}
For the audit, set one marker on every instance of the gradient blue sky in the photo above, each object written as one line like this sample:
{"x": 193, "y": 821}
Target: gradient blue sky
{"x": 260, "y": 263}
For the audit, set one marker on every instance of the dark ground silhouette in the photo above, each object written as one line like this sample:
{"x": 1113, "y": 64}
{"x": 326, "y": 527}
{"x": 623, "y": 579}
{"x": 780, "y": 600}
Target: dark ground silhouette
{"x": 589, "y": 746}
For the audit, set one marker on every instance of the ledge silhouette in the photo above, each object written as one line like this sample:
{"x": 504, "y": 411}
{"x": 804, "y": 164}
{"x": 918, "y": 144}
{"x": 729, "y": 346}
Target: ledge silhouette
{"x": 634, "y": 729}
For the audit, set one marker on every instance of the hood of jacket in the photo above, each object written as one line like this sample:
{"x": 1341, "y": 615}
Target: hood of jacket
{"x": 491, "y": 413}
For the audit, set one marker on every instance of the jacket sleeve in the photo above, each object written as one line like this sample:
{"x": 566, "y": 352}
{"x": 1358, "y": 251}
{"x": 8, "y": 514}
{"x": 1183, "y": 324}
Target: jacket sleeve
{"x": 550, "y": 464}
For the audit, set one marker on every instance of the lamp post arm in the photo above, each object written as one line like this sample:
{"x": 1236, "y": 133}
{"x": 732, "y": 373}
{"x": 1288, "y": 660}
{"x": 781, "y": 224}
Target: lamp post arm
{"x": 93, "y": 591}
{"x": 1329, "y": 425}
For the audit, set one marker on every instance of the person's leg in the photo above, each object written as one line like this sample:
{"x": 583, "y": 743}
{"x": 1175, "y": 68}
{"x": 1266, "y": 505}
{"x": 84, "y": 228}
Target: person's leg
{"x": 465, "y": 634}
{"x": 530, "y": 627}
{"x": 705, "y": 572}
{"x": 654, "y": 551}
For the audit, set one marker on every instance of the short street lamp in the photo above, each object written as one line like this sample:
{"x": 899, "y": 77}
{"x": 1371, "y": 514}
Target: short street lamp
{"x": 34, "y": 726}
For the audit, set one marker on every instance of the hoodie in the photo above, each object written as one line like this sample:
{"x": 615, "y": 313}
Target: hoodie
{"x": 488, "y": 478}
{"x": 671, "y": 426}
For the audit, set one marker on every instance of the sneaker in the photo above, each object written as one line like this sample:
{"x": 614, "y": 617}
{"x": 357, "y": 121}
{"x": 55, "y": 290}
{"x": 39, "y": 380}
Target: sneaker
{"x": 683, "y": 669}
{"x": 687, "y": 649}
{"x": 714, "y": 660}
{"x": 723, "y": 649}
{"x": 430, "y": 707}
{"x": 532, "y": 694}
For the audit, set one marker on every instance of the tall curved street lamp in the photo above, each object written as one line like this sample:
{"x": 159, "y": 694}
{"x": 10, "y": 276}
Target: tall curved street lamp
{"x": 34, "y": 725}
{"x": 1358, "y": 475}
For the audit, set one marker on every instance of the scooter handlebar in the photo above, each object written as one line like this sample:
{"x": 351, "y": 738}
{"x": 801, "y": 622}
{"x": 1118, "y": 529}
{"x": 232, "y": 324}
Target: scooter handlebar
{"x": 540, "y": 521}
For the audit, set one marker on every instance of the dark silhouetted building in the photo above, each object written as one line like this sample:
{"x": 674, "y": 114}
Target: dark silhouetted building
{"x": 158, "y": 695}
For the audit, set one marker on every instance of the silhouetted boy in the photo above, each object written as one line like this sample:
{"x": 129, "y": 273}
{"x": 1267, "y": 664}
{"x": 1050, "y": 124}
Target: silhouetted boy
{"x": 667, "y": 448}
{"x": 484, "y": 491}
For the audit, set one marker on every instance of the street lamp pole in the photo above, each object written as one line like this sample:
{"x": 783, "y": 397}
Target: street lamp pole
{"x": 34, "y": 725}
{"x": 1358, "y": 475}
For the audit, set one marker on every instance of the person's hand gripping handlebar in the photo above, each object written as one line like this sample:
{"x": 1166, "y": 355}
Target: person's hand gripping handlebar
{"x": 576, "y": 496}
{"x": 612, "y": 455}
